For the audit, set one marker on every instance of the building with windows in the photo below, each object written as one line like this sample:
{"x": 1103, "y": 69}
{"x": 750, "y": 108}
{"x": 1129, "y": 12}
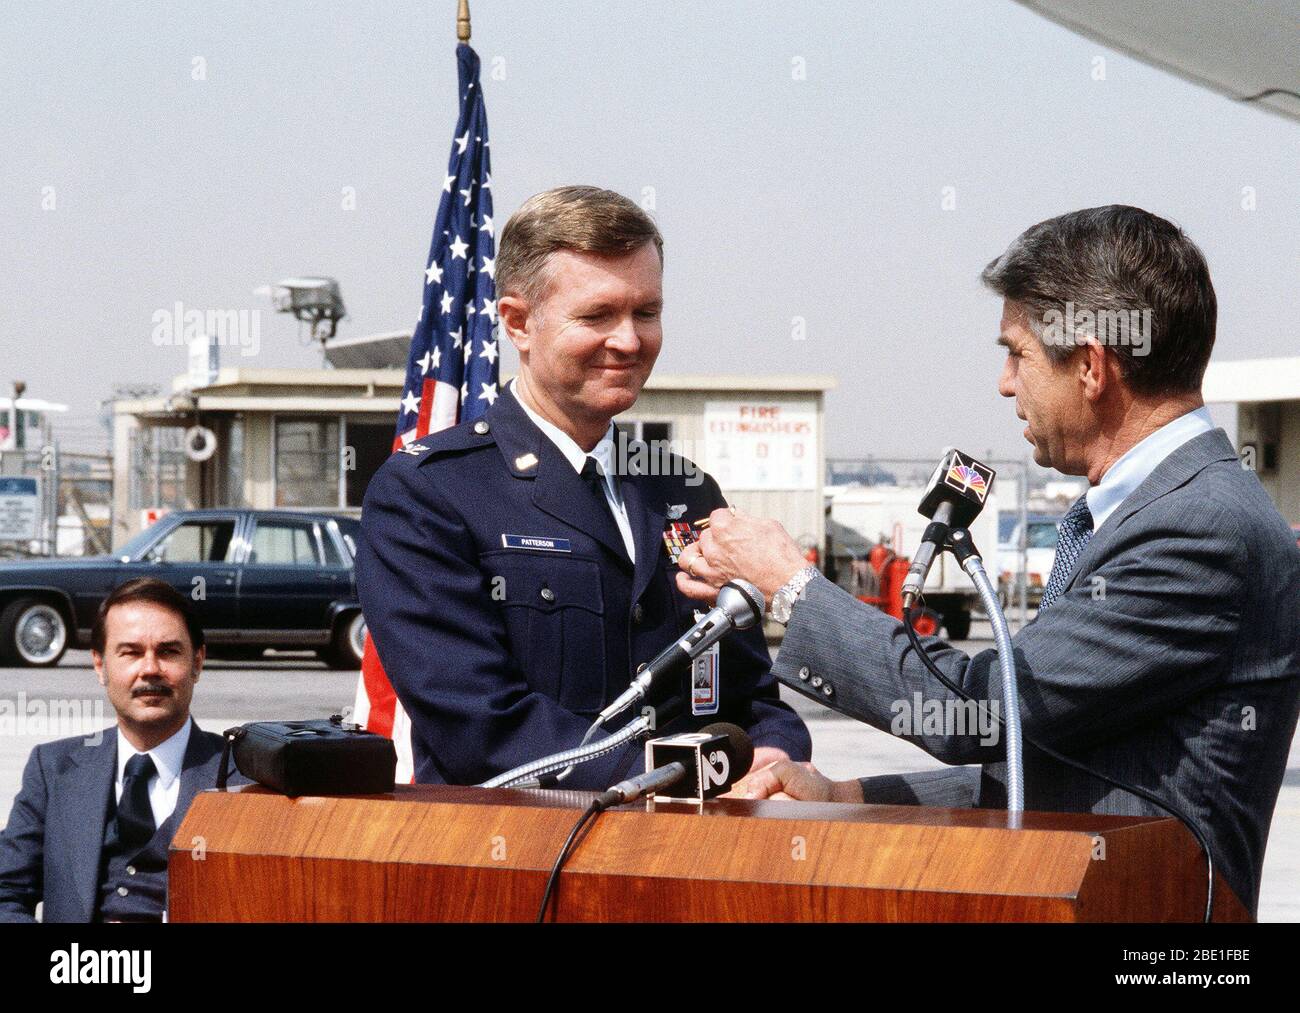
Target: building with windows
{"x": 1266, "y": 393}
{"x": 311, "y": 439}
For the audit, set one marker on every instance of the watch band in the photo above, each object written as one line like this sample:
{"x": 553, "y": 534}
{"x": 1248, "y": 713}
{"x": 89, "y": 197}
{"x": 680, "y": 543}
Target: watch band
{"x": 784, "y": 599}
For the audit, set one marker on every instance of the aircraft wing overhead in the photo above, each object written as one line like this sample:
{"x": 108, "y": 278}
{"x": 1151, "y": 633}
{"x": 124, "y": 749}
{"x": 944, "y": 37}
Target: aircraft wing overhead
{"x": 1245, "y": 49}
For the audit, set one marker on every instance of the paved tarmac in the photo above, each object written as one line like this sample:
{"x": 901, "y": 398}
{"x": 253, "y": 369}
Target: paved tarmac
{"x": 232, "y": 693}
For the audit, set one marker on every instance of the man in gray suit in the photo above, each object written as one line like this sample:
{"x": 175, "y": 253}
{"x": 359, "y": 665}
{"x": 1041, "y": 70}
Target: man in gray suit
{"x": 1166, "y": 653}
{"x": 89, "y": 831}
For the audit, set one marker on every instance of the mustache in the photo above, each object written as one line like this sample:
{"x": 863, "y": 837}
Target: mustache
{"x": 152, "y": 689}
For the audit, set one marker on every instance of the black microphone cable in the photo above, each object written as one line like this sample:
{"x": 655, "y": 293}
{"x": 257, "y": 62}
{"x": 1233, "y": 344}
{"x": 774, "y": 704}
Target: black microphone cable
{"x": 1141, "y": 793}
{"x": 626, "y": 791}
{"x": 591, "y": 811}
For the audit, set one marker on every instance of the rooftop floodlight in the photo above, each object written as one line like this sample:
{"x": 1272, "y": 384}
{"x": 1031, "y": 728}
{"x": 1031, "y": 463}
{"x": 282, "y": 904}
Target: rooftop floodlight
{"x": 316, "y": 302}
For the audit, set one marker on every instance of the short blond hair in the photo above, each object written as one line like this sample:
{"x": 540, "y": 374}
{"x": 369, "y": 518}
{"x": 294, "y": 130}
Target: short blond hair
{"x": 582, "y": 218}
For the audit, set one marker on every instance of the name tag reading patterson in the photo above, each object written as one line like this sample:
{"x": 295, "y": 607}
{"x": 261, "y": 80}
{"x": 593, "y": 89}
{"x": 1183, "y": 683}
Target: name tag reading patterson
{"x": 537, "y": 543}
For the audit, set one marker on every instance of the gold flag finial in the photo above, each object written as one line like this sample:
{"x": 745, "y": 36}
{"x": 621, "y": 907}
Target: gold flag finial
{"x": 462, "y": 21}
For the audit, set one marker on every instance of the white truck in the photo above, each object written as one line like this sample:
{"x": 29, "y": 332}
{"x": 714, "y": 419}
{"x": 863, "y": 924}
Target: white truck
{"x": 861, "y": 516}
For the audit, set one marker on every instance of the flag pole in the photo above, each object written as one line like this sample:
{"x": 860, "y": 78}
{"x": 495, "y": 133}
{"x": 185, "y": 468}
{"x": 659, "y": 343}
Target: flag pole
{"x": 462, "y": 22}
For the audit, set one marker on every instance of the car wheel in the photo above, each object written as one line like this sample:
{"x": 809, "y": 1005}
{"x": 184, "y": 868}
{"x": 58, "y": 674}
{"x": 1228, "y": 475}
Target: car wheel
{"x": 957, "y": 625}
{"x": 33, "y": 633}
{"x": 349, "y": 642}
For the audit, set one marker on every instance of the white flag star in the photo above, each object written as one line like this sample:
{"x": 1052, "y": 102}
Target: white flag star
{"x": 447, "y": 300}
{"x": 433, "y": 275}
{"x": 461, "y": 141}
{"x": 464, "y": 392}
{"x": 490, "y": 266}
{"x": 466, "y": 193}
{"x": 469, "y": 351}
{"x": 490, "y": 309}
{"x": 458, "y": 248}
{"x": 456, "y": 337}
{"x": 487, "y": 182}
{"x": 437, "y": 358}
{"x": 424, "y": 362}
{"x": 410, "y": 404}
{"x": 489, "y": 393}
{"x": 446, "y": 184}
{"x": 489, "y": 351}
{"x": 487, "y": 226}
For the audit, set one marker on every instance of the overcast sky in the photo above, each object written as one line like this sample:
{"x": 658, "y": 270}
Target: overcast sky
{"x": 797, "y": 155}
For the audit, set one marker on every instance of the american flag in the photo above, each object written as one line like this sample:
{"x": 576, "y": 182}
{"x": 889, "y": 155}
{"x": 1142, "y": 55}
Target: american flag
{"x": 452, "y": 369}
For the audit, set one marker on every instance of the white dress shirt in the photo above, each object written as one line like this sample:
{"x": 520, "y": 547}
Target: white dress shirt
{"x": 165, "y": 785}
{"x": 603, "y": 452}
{"x": 1140, "y": 460}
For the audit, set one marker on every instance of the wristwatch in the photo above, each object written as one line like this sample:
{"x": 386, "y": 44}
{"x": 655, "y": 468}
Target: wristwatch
{"x": 784, "y": 599}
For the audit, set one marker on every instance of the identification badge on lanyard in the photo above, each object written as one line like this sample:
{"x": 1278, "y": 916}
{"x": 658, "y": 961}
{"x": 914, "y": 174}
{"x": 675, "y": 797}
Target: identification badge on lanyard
{"x": 706, "y": 679}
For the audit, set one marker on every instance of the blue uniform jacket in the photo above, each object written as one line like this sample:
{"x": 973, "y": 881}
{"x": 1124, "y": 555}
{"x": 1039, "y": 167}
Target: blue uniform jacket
{"x": 500, "y": 654}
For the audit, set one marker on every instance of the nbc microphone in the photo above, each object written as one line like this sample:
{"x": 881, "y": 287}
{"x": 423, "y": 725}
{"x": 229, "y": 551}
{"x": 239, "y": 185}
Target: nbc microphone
{"x": 953, "y": 498}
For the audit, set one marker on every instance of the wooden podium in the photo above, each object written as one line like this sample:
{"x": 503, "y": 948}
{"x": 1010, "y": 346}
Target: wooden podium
{"x": 441, "y": 853}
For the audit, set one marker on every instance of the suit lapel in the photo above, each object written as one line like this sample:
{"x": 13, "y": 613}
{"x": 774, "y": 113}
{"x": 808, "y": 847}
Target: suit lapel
{"x": 647, "y": 522}
{"x": 561, "y": 492}
{"x": 84, "y": 812}
{"x": 557, "y": 489}
{"x": 194, "y": 773}
{"x": 1179, "y": 468}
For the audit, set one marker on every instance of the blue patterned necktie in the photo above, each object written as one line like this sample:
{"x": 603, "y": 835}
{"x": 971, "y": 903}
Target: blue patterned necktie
{"x": 1075, "y": 530}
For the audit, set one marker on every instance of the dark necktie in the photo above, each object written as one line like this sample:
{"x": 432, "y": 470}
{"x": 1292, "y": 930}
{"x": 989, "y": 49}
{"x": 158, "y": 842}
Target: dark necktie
{"x": 135, "y": 823}
{"x": 595, "y": 482}
{"x": 1075, "y": 530}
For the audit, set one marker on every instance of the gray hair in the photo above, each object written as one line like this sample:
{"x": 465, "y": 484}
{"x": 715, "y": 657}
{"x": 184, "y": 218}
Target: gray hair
{"x": 1122, "y": 277}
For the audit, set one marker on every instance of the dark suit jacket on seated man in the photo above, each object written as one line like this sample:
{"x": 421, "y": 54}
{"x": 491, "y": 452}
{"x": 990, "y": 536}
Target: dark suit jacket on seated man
{"x": 1166, "y": 653}
{"x": 513, "y": 574}
{"x": 90, "y": 829}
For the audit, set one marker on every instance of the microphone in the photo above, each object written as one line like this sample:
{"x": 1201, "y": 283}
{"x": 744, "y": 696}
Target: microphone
{"x": 714, "y": 758}
{"x": 740, "y": 606}
{"x": 953, "y": 498}
{"x": 648, "y": 783}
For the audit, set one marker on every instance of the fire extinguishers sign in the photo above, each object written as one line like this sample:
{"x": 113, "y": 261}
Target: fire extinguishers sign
{"x": 20, "y": 508}
{"x": 761, "y": 445}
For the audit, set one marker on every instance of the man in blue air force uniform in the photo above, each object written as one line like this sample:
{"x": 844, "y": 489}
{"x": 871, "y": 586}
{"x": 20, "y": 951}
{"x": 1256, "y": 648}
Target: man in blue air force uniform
{"x": 514, "y": 571}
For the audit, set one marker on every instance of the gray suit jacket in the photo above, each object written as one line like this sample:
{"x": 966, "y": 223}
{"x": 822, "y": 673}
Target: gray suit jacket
{"x": 1171, "y": 661}
{"x": 50, "y": 849}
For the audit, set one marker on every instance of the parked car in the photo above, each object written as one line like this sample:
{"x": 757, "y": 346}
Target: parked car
{"x": 1040, "y": 552}
{"x": 258, "y": 578}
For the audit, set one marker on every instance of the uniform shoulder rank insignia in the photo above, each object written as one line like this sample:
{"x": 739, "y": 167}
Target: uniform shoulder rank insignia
{"x": 414, "y": 449}
{"x": 677, "y": 536}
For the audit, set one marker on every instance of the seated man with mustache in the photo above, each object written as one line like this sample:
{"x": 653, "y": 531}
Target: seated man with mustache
{"x": 90, "y": 829}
